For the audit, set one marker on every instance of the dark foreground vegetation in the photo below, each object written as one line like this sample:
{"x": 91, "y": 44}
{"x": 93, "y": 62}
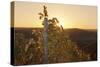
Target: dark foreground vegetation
{"x": 70, "y": 45}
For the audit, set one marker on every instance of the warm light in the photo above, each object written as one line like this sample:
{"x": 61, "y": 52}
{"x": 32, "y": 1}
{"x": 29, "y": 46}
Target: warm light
{"x": 65, "y": 23}
{"x": 58, "y": 24}
{"x": 61, "y": 21}
{"x": 68, "y": 16}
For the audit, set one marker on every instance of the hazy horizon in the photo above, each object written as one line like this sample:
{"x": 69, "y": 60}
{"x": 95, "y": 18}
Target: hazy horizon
{"x": 69, "y": 16}
{"x": 42, "y": 27}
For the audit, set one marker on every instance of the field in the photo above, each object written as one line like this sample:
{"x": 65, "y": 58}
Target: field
{"x": 69, "y": 45}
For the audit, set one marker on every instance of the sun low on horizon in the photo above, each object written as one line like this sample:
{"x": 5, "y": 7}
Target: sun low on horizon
{"x": 69, "y": 16}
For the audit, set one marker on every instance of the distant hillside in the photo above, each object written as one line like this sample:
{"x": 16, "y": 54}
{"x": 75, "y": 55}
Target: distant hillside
{"x": 81, "y": 34}
{"x": 85, "y": 39}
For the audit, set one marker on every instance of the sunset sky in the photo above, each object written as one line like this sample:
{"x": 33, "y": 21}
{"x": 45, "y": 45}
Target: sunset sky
{"x": 70, "y": 16}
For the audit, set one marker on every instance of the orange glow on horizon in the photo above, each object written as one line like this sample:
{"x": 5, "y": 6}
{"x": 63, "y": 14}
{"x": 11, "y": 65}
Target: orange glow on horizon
{"x": 69, "y": 16}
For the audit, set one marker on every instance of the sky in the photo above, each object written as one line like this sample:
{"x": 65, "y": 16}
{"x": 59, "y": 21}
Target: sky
{"x": 69, "y": 16}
